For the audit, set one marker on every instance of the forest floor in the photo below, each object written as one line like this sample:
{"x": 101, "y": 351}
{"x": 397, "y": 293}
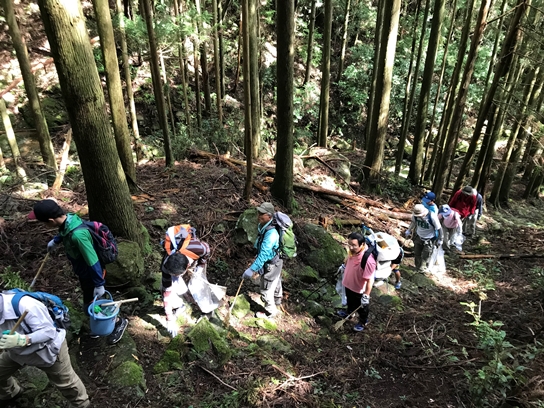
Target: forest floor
{"x": 417, "y": 355}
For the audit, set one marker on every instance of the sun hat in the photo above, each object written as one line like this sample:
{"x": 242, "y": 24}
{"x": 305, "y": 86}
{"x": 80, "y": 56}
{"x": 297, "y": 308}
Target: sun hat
{"x": 419, "y": 210}
{"x": 468, "y": 190}
{"x": 45, "y": 210}
{"x": 430, "y": 196}
{"x": 266, "y": 208}
{"x": 444, "y": 210}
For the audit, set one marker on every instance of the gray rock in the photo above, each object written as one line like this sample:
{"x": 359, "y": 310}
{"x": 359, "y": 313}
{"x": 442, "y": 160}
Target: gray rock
{"x": 421, "y": 281}
{"x": 314, "y": 309}
{"x": 308, "y": 275}
{"x": 241, "y": 307}
{"x": 160, "y": 223}
{"x": 246, "y": 227}
{"x": 325, "y": 254}
{"x": 274, "y": 343}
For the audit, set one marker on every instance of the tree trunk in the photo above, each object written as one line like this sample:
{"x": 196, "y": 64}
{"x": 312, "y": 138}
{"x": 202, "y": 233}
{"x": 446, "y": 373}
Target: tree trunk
{"x": 107, "y": 189}
{"x": 344, "y": 41}
{"x": 115, "y": 89}
{"x": 63, "y": 162}
{"x": 371, "y": 115}
{"x": 416, "y": 164}
{"x": 221, "y": 48}
{"x": 128, "y": 83}
{"x": 181, "y": 54}
{"x": 196, "y": 48}
{"x": 495, "y": 44}
{"x": 431, "y": 140}
{"x": 310, "y": 48}
{"x": 282, "y": 187}
{"x": 409, "y": 103}
{"x": 248, "y": 145}
{"x": 325, "y": 77}
{"x": 254, "y": 57}
{"x": 457, "y": 115}
{"x": 217, "y": 61}
{"x": 42, "y": 132}
{"x": 205, "y": 78}
{"x": 503, "y": 66}
{"x": 15, "y": 154}
{"x": 386, "y": 58}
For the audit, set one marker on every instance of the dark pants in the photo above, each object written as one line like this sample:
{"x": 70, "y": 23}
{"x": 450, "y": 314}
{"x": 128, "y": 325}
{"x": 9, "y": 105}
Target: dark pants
{"x": 87, "y": 287}
{"x": 354, "y": 301}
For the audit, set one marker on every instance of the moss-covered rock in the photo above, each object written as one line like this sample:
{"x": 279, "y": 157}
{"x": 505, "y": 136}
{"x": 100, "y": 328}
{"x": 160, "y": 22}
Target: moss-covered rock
{"x": 53, "y": 109}
{"x": 161, "y": 223}
{"x": 34, "y": 381}
{"x": 421, "y": 281}
{"x": 145, "y": 299}
{"x": 128, "y": 269}
{"x": 155, "y": 281}
{"x": 274, "y": 343}
{"x": 314, "y": 309}
{"x": 171, "y": 359}
{"x": 241, "y": 307}
{"x": 245, "y": 231}
{"x": 325, "y": 253}
{"x": 128, "y": 374}
{"x": 204, "y": 336}
{"x": 308, "y": 275}
{"x": 266, "y": 324}
{"x": 390, "y": 301}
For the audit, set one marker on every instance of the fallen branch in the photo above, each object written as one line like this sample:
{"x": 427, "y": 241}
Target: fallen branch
{"x": 503, "y": 256}
{"x": 348, "y": 196}
{"x": 217, "y": 378}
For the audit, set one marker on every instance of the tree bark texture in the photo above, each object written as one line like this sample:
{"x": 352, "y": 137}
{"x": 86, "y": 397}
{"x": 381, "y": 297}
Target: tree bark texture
{"x": 12, "y": 142}
{"x": 217, "y": 62}
{"x": 254, "y": 57}
{"x": 344, "y": 40}
{"x": 181, "y": 54}
{"x": 115, "y": 89}
{"x": 282, "y": 187}
{"x": 107, "y": 189}
{"x": 310, "y": 47}
{"x": 42, "y": 132}
{"x": 157, "y": 83}
{"x": 416, "y": 165}
{"x": 386, "y": 58}
{"x": 325, "y": 77}
{"x": 248, "y": 144}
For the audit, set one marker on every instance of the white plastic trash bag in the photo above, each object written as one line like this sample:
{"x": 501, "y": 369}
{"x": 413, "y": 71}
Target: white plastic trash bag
{"x": 457, "y": 239}
{"x": 201, "y": 292}
{"x": 340, "y": 289}
{"x": 437, "y": 262}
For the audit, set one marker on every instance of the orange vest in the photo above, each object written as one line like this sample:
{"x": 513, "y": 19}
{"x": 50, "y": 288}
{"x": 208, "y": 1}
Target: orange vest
{"x": 183, "y": 232}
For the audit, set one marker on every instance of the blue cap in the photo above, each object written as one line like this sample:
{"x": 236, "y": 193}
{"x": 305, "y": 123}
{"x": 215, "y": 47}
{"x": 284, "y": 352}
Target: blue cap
{"x": 430, "y": 196}
{"x": 444, "y": 210}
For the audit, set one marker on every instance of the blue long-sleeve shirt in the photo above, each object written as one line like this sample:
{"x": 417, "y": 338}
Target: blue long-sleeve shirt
{"x": 268, "y": 247}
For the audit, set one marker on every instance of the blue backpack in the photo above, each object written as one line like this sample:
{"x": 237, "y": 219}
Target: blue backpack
{"x": 57, "y": 310}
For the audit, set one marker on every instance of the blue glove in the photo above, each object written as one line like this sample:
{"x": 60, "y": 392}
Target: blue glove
{"x": 408, "y": 233}
{"x": 248, "y": 274}
{"x": 52, "y": 246}
{"x": 365, "y": 300}
{"x": 99, "y": 292}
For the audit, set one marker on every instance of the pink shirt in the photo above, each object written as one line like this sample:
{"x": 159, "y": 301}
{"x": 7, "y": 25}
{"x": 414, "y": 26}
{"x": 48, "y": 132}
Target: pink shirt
{"x": 354, "y": 277}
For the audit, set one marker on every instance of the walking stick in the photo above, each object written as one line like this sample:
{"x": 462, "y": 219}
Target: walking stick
{"x": 39, "y": 271}
{"x": 226, "y": 322}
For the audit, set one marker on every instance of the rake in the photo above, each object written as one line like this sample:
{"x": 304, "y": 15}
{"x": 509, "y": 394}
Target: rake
{"x": 339, "y": 324}
{"x": 226, "y": 322}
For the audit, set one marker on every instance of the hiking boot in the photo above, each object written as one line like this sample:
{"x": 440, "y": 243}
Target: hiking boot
{"x": 398, "y": 285}
{"x": 118, "y": 331}
{"x": 358, "y": 327}
{"x": 342, "y": 313}
{"x": 262, "y": 315}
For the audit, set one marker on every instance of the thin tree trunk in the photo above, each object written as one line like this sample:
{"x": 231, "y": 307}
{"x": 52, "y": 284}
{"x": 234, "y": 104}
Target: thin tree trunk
{"x": 145, "y": 9}
{"x": 254, "y": 57}
{"x": 375, "y": 154}
{"x": 15, "y": 154}
{"x": 310, "y": 47}
{"x": 344, "y": 41}
{"x": 65, "y": 153}
{"x": 282, "y": 187}
{"x": 217, "y": 61}
{"x": 458, "y": 110}
{"x": 196, "y": 48}
{"x": 495, "y": 45}
{"x": 416, "y": 164}
{"x": 503, "y": 66}
{"x": 248, "y": 144}
{"x": 128, "y": 83}
{"x": 221, "y": 48}
{"x": 325, "y": 77}
{"x": 105, "y": 183}
{"x": 239, "y": 53}
{"x": 371, "y": 115}
{"x": 42, "y": 131}
{"x": 181, "y": 54}
{"x": 430, "y": 139}
{"x": 167, "y": 92}
{"x": 115, "y": 89}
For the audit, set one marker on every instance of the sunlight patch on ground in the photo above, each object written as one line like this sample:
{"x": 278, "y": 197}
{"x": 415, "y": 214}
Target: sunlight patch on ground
{"x": 459, "y": 286}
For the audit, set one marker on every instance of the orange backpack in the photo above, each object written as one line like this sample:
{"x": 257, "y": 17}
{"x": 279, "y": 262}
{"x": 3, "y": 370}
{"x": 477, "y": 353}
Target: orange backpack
{"x": 178, "y": 238}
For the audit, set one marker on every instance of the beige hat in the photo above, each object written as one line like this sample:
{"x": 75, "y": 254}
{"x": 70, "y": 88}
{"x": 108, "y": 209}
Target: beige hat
{"x": 419, "y": 210}
{"x": 266, "y": 208}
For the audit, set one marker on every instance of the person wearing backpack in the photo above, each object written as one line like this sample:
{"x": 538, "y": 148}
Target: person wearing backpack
{"x": 427, "y": 234}
{"x": 80, "y": 250}
{"x": 38, "y": 343}
{"x": 452, "y": 225}
{"x": 183, "y": 249}
{"x": 358, "y": 278}
{"x": 268, "y": 263}
{"x": 428, "y": 201}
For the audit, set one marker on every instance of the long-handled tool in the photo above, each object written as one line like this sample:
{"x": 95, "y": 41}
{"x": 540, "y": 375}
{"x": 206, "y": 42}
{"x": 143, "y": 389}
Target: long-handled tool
{"x": 339, "y": 324}
{"x": 226, "y": 322}
{"x": 39, "y": 271}
{"x": 118, "y": 302}
{"x": 18, "y": 323}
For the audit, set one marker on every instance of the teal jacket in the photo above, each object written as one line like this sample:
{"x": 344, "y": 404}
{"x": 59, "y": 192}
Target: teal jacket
{"x": 268, "y": 249}
{"x": 79, "y": 248}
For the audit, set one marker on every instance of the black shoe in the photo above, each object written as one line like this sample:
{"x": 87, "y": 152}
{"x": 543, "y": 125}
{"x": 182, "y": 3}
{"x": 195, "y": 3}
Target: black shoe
{"x": 118, "y": 331}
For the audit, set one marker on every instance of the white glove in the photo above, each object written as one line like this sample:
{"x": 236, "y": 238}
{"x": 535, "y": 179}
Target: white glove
{"x": 172, "y": 326}
{"x": 408, "y": 233}
{"x": 99, "y": 291}
{"x": 248, "y": 274}
{"x": 12, "y": 340}
{"x": 438, "y": 244}
{"x": 52, "y": 246}
{"x": 365, "y": 300}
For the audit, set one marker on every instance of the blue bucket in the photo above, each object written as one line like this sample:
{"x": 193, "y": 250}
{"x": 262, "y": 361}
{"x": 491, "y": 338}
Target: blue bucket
{"x": 102, "y": 325}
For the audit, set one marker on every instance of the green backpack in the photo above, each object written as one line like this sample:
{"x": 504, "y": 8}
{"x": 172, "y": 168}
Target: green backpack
{"x": 288, "y": 241}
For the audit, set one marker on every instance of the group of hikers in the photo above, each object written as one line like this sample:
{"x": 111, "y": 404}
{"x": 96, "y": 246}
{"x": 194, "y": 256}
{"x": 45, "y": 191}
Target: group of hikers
{"x": 39, "y": 342}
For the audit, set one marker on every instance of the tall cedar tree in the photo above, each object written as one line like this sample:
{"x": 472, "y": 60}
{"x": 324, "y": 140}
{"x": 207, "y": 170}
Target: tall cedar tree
{"x": 107, "y": 189}
{"x": 325, "y": 77}
{"x": 282, "y": 187}
{"x": 115, "y": 89}
{"x": 42, "y": 131}
{"x": 386, "y": 58}
{"x": 248, "y": 145}
{"x": 254, "y": 87}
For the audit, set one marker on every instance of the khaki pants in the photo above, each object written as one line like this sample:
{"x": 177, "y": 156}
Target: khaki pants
{"x": 271, "y": 288}
{"x": 61, "y": 374}
{"x": 423, "y": 251}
